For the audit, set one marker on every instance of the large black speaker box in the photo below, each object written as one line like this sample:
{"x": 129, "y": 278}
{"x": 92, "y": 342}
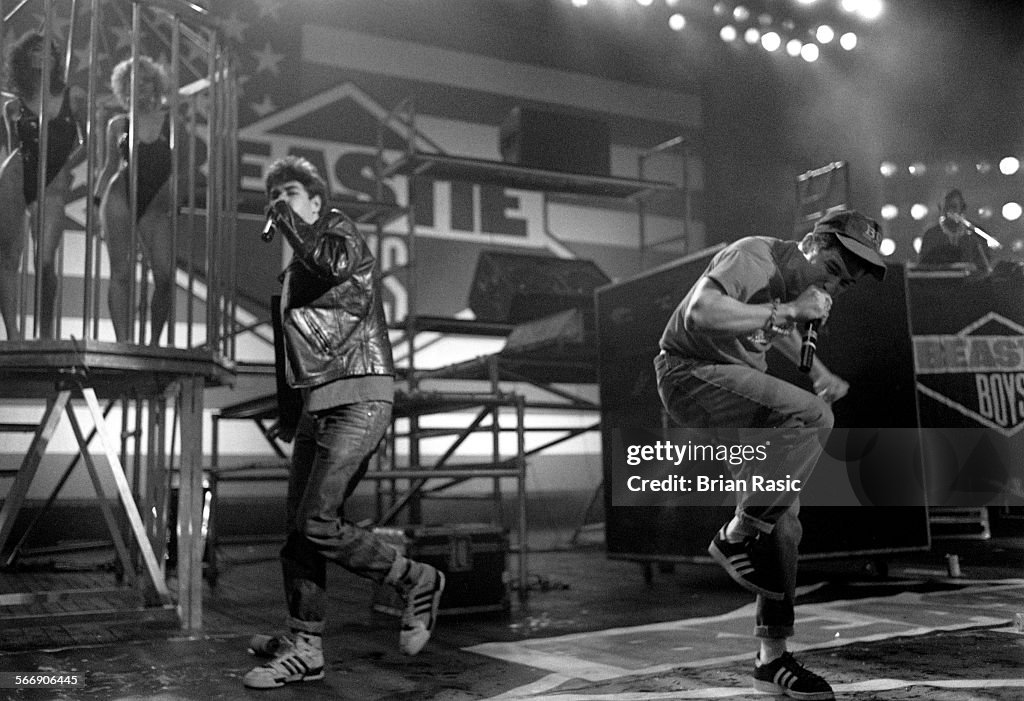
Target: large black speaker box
{"x": 512, "y": 288}
{"x": 555, "y": 141}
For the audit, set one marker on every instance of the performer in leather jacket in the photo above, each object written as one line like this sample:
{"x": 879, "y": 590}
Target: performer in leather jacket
{"x": 338, "y": 353}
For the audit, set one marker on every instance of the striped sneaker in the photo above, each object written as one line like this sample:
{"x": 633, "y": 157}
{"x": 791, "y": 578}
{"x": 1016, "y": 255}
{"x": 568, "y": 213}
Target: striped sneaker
{"x": 787, "y": 677}
{"x": 422, "y": 597}
{"x": 299, "y": 658}
{"x": 749, "y": 563}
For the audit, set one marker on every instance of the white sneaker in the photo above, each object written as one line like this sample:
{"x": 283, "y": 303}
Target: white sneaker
{"x": 422, "y": 599}
{"x": 299, "y": 659}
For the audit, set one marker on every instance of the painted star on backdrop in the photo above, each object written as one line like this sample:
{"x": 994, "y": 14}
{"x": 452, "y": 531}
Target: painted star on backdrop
{"x": 124, "y": 37}
{"x": 270, "y": 8}
{"x": 234, "y": 28}
{"x": 268, "y": 60}
{"x": 264, "y": 107}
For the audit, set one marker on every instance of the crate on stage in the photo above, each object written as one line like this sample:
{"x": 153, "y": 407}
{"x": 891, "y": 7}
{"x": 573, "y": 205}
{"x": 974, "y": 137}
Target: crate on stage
{"x": 473, "y": 557}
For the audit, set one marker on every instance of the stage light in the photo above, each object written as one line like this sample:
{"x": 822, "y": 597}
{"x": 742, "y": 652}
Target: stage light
{"x": 1009, "y": 165}
{"x": 824, "y": 34}
{"x": 752, "y": 35}
{"x": 677, "y": 22}
{"x": 579, "y": 3}
{"x": 917, "y": 168}
{"x": 741, "y": 14}
{"x": 809, "y": 52}
{"x": 848, "y": 41}
{"x": 916, "y": 244}
{"x": 644, "y": 3}
{"x": 952, "y": 168}
{"x": 870, "y": 9}
{"x": 728, "y": 33}
{"x": 1012, "y": 211}
{"x": 918, "y": 211}
{"x": 889, "y": 212}
{"x": 720, "y": 9}
{"x": 771, "y": 41}
{"x": 765, "y": 20}
{"x": 887, "y": 169}
{"x": 793, "y": 47}
{"x": 888, "y": 247}
{"x": 1017, "y": 246}
{"x": 984, "y": 167}
{"x": 806, "y": 2}
{"x": 985, "y": 212}
{"x": 671, "y": 3}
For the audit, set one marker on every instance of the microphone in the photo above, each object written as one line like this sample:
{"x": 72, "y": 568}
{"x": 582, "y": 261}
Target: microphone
{"x": 275, "y": 211}
{"x": 809, "y": 345}
{"x": 268, "y": 228}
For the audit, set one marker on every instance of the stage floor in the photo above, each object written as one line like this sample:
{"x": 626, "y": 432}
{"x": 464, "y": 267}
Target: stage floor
{"x": 592, "y": 630}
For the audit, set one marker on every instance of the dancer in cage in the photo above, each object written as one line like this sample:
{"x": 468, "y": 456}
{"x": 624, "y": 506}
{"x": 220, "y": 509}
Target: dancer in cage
{"x": 19, "y": 175}
{"x": 153, "y": 123}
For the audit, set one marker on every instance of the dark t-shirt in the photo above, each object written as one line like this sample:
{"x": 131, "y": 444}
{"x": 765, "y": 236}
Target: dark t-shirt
{"x": 749, "y": 270}
{"x": 938, "y": 249}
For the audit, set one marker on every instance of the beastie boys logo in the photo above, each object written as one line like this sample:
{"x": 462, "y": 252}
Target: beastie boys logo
{"x": 978, "y": 372}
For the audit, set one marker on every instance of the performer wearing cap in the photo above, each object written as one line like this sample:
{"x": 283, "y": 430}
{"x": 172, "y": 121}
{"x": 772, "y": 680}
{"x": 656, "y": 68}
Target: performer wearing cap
{"x": 755, "y": 294}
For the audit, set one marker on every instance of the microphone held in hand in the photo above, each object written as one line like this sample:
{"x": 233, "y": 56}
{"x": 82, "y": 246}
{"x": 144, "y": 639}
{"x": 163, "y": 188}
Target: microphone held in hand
{"x": 809, "y": 345}
{"x": 276, "y": 212}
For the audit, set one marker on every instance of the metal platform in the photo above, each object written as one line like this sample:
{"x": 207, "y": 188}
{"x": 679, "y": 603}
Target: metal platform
{"x": 64, "y": 371}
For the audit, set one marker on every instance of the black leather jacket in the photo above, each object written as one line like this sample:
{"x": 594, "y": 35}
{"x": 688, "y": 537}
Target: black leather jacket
{"x": 331, "y": 308}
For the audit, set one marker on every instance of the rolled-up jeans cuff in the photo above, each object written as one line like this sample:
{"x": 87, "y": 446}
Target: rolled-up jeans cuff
{"x": 777, "y": 632}
{"x": 762, "y": 526}
{"x": 314, "y": 627}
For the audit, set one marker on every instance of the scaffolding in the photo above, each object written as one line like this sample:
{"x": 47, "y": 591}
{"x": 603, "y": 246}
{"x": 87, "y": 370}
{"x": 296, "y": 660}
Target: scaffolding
{"x": 546, "y": 370}
{"x": 157, "y": 387}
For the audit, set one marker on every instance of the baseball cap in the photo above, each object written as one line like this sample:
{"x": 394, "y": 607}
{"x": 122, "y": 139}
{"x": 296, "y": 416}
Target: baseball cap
{"x": 859, "y": 234}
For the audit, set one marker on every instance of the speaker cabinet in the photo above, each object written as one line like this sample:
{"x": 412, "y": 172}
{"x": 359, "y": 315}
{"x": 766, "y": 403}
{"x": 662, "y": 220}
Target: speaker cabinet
{"x": 555, "y": 141}
{"x": 512, "y": 288}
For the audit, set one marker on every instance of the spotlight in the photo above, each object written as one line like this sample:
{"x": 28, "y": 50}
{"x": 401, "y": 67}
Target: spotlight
{"x": 869, "y": 9}
{"x": 579, "y": 3}
{"x": 916, "y": 243}
{"x": 1012, "y": 211}
{"x": 765, "y": 20}
{"x": 752, "y": 35}
{"x": 1009, "y": 165}
{"x": 887, "y": 169}
{"x": 952, "y": 168}
{"x": 644, "y": 3}
{"x": 917, "y": 168}
{"x": 793, "y": 47}
{"x": 809, "y": 52}
{"x": 888, "y": 247}
{"x": 824, "y": 34}
{"x": 1018, "y": 246}
{"x": 984, "y": 167}
{"x": 677, "y": 22}
{"x": 848, "y": 41}
{"x": 771, "y": 41}
{"x": 985, "y": 212}
{"x": 720, "y": 8}
{"x": 918, "y": 211}
{"x": 889, "y": 212}
{"x": 741, "y": 14}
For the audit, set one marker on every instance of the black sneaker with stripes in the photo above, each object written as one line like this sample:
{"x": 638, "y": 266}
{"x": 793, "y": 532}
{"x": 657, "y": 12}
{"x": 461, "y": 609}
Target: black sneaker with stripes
{"x": 750, "y": 563}
{"x": 785, "y": 676}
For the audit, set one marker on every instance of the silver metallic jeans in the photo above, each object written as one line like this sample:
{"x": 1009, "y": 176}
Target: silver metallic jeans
{"x": 332, "y": 453}
{"x": 714, "y": 397}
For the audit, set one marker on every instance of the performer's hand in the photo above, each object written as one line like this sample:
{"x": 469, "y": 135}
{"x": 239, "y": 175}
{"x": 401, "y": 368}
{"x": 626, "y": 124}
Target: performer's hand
{"x": 284, "y": 217}
{"x": 813, "y": 303}
{"x": 830, "y": 387}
